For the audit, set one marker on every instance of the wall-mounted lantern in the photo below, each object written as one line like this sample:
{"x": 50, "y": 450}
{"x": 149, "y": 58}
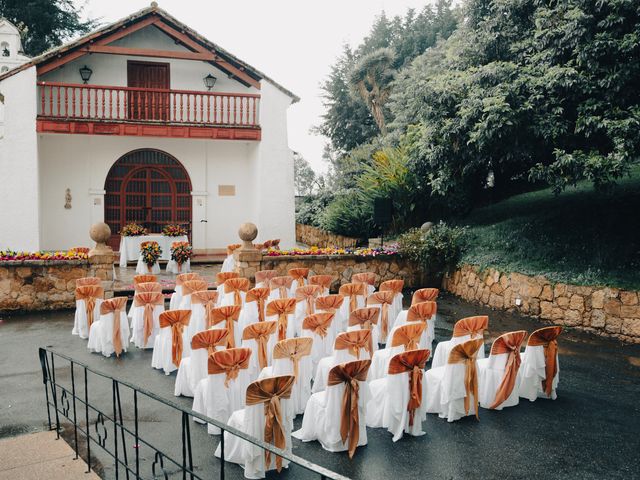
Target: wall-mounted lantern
{"x": 85, "y": 73}
{"x": 209, "y": 81}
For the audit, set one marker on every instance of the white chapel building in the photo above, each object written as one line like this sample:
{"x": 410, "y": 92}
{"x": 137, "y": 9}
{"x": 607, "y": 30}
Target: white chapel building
{"x": 143, "y": 120}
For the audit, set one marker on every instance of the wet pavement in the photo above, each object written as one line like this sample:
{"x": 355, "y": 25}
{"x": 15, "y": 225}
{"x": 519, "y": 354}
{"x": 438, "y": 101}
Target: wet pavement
{"x": 590, "y": 431}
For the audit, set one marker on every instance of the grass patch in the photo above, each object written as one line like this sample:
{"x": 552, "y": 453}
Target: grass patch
{"x": 581, "y": 236}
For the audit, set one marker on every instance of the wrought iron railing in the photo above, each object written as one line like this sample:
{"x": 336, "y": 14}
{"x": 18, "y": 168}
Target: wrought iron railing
{"x": 90, "y": 419}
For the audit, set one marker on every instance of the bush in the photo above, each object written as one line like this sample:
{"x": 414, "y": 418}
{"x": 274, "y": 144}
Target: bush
{"x": 309, "y": 209}
{"x": 437, "y": 251}
{"x": 348, "y": 215}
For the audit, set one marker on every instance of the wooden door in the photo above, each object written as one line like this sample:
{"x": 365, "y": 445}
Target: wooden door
{"x": 148, "y": 103}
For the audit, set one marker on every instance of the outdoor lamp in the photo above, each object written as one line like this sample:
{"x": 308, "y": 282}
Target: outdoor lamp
{"x": 209, "y": 81}
{"x": 85, "y": 73}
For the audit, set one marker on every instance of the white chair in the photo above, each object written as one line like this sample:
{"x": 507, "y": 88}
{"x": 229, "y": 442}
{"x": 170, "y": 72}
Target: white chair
{"x": 282, "y": 310}
{"x": 85, "y": 281}
{"x": 468, "y": 328}
{"x": 293, "y": 357}
{"x": 497, "y": 374}
{"x": 202, "y": 304}
{"x": 188, "y": 287}
{"x": 299, "y": 276}
{"x": 305, "y": 304}
{"x": 396, "y": 287}
{"x": 540, "y": 369}
{"x": 223, "y": 391}
{"x": 332, "y": 304}
{"x": 145, "y": 321}
{"x": 354, "y": 298}
{"x": 268, "y": 404}
{"x": 330, "y": 416}
{"x": 348, "y": 347}
{"x": 222, "y": 277}
{"x": 142, "y": 268}
{"x": 452, "y": 390}
{"x": 229, "y": 263}
{"x": 88, "y": 300}
{"x": 234, "y": 291}
{"x": 425, "y": 295}
{"x": 176, "y": 296}
{"x": 280, "y": 287}
{"x": 318, "y": 327}
{"x": 323, "y": 281}
{"x": 406, "y": 337}
{"x": 144, "y": 283}
{"x": 254, "y": 309}
{"x": 263, "y": 277}
{"x": 260, "y": 337}
{"x": 368, "y": 279}
{"x": 420, "y": 312}
{"x": 397, "y": 400}
{"x": 174, "y": 267}
{"x": 194, "y": 368}
{"x": 365, "y": 318}
{"x": 110, "y": 334}
{"x": 227, "y": 317}
{"x": 384, "y": 301}
{"x": 172, "y": 343}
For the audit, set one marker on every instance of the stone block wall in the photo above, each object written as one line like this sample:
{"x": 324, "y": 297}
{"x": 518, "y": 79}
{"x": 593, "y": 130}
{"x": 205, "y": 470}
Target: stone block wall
{"x": 316, "y": 237}
{"x": 602, "y": 310}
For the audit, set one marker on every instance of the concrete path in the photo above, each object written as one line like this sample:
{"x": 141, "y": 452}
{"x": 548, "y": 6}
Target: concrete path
{"x": 39, "y": 455}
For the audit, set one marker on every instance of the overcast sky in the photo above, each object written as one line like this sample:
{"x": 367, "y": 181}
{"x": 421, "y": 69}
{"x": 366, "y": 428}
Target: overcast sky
{"x": 292, "y": 41}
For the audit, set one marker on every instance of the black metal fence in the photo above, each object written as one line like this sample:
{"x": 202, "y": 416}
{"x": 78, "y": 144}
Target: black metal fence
{"x": 114, "y": 425}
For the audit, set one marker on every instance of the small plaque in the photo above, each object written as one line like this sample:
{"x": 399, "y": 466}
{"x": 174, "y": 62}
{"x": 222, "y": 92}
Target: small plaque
{"x": 227, "y": 190}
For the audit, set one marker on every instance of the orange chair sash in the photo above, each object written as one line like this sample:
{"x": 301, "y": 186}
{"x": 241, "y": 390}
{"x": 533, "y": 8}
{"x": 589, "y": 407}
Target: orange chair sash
{"x": 308, "y": 294}
{"x": 228, "y": 314}
{"x": 368, "y": 278}
{"x": 422, "y": 311}
{"x": 365, "y": 317}
{"x": 508, "y": 343}
{"x": 86, "y": 281}
{"x": 116, "y": 306}
{"x": 474, "y": 326}
{"x": 413, "y": 362}
{"x": 350, "y": 374}
{"x": 265, "y": 276}
{"x": 258, "y": 295}
{"x": 352, "y": 290}
{"x": 184, "y": 277}
{"x": 260, "y": 332}
{"x": 177, "y": 320}
{"x": 329, "y": 303}
{"x": 89, "y": 293}
{"x": 148, "y": 300}
{"x": 235, "y": 286}
{"x": 232, "y": 248}
{"x": 282, "y": 284}
{"x": 354, "y": 341}
{"x": 425, "y": 295}
{"x": 229, "y": 362}
{"x": 323, "y": 281}
{"x": 269, "y": 392}
{"x": 547, "y": 337}
{"x": 466, "y": 353}
{"x": 222, "y": 277}
{"x": 190, "y": 286}
{"x": 146, "y": 278}
{"x": 318, "y": 323}
{"x": 148, "y": 287}
{"x": 293, "y": 349}
{"x": 210, "y": 339}
{"x": 384, "y": 299}
{"x": 282, "y": 307}
{"x": 298, "y": 273}
{"x": 408, "y": 335}
{"x": 394, "y": 286}
{"x": 206, "y": 298}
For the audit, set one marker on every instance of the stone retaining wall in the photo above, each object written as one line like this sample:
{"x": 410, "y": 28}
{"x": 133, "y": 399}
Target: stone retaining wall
{"x": 316, "y": 237}
{"x": 48, "y": 284}
{"x": 602, "y": 310}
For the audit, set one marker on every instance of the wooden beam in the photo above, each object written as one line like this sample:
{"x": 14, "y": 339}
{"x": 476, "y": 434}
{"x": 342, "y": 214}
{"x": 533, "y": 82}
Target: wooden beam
{"x": 145, "y": 52}
{"x": 236, "y": 72}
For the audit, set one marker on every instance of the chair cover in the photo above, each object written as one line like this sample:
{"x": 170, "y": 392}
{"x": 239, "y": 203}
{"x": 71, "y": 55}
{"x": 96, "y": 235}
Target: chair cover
{"x": 172, "y": 343}
{"x": 175, "y": 267}
{"x": 142, "y": 268}
{"x": 452, "y": 390}
{"x": 202, "y": 303}
{"x": 497, "y": 386}
{"x": 366, "y": 318}
{"x": 85, "y": 281}
{"x": 293, "y": 357}
{"x": 299, "y": 276}
{"x": 368, "y": 278}
{"x": 404, "y": 338}
{"x": 466, "y": 329}
{"x": 396, "y": 401}
{"x": 282, "y": 310}
{"x": 223, "y": 391}
{"x": 337, "y": 416}
{"x": 151, "y": 286}
{"x": 396, "y": 287}
{"x": 176, "y": 296}
{"x": 354, "y": 298}
{"x": 420, "y": 312}
{"x": 111, "y": 333}
{"x": 349, "y": 346}
{"x": 222, "y": 277}
{"x": 144, "y": 278}
{"x": 263, "y": 277}
{"x": 280, "y": 287}
{"x": 88, "y": 300}
{"x": 385, "y": 301}
{"x": 323, "y": 281}
{"x": 260, "y": 337}
{"x": 254, "y": 309}
{"x": 188, "y": 287}
{"x": 425, "y": 295}
{"x": 539, "y": 372}
{"x": 318, "y": 327}
{"x": 227, "y": 317}
{"x": 145, "y": 322}
{"x": 305, "y": 304}
{"x": 229, "y": 263}
{"x": 194, "y": 368}
{"x": 235, "y": 291}
{"x": 266, "y": 417}
{"x": 332, "y": 304}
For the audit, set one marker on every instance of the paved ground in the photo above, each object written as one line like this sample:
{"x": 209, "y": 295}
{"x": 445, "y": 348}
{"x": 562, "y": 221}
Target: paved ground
{"x": 591, "y": 431}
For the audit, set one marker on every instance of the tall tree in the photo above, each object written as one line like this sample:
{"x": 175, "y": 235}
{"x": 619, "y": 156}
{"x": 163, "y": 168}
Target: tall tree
{"x": 304, "y": 176}
{"x": 45, "y": 24}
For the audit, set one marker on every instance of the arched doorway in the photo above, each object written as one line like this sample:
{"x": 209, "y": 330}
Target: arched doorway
{"x": 149, "y": 187}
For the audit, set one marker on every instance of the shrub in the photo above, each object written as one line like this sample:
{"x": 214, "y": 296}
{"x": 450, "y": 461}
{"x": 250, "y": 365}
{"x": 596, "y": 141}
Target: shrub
{"x": 309, "y": 209}
{"x": 348, "y": 215}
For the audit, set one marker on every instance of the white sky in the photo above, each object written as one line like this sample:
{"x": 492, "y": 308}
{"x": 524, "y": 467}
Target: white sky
{"x": 292, "y": 41}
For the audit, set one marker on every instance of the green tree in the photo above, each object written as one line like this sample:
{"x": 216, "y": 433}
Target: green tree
{"x": 304, "y": 177}
{"x": 45, "y": 24}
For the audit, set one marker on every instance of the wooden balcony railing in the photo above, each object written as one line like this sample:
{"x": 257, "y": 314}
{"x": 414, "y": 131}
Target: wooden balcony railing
{"x": 64, "y": 101}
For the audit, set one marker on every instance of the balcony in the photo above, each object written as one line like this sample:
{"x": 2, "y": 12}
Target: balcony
{"x": 112, "y": 110}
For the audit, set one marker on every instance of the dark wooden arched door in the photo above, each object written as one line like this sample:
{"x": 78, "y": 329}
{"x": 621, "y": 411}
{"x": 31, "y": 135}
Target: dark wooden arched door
{"x": 149, "y": 187}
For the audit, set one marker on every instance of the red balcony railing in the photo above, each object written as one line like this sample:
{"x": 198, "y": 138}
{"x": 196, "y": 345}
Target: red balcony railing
{"x": 108, "y": 103}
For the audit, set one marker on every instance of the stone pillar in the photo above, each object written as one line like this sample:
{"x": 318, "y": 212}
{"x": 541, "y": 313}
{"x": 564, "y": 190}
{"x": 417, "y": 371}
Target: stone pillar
{"x": 248, "y": 259}
{"x": 101, "y": 257}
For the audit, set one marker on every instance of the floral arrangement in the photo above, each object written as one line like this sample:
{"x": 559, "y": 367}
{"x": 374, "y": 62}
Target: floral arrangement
{"x": 362, "y": 252}
{"x": 72, "y": 254}
{"x": 132, "y": 230}
{"x": 150, "y": 252}
{"x": 181, "y": 252}
{"x": 173, "y": 231}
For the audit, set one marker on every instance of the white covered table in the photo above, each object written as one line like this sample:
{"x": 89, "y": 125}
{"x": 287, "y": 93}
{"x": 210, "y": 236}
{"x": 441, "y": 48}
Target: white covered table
{"x": 130, "y": 246}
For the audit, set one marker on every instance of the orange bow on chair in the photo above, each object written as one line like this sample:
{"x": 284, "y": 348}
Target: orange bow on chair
{"x": 282, "y": 307}
{"x": 408, "y": 335}
{"x": 185, "y": 277}
{"x": 282, "y": 284}
{"x": 350, "y": 374}
{"x": 473, "y": 326}
{"x": 394, "y": 286}
{"x": 368, "y": 278}
{"x": 353, "y": 291}
{"x": 228, "y": 314}
{"x": 265, "y": 276}
{"x": 258, "y": 295}
{"x": 318, "y": 323}
{"x": 299, "y": 274}
{"x": 422, "y": 311}
{"x": 366, "y": 317}
{"x": 190, "y": 286}
{"x": 308, "y": 294}
{"x": 384, "y": 299}
{"x": 148, "y": 300}
{"x": 210, "y": 339}
{"x": 116, "y": 306}
{"x": 146, "y": 278}
{"x": 222, "y": 277}
{"x": 466, "y": 353}
{"x": 547, "y": 337}
{"x": 323, "y": 281}
{"x": 229, "y": 362}
{"x": 260, "y": 332}
{"x": 232, "y": 248}
{"x": 148, "y": 287}
{"x": 176, "y": 320}
{"x": 354, "y": 341}
{"x": 235, "y": 286}
{"x": 269, "y": 392}
{"x": 425, "y": 295}
{"x": 89, "y": 293}
{"x": 293, "y": 349}
{"x": 508, "y": 343}
{"x": 86, "y": 281}
{"x": 329, "y": 303}
{"x": 206, "y": 298}
{"x": 413, "y": 362}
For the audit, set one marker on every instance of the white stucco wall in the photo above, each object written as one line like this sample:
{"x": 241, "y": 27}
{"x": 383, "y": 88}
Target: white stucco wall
{"x": 19, "y": 215}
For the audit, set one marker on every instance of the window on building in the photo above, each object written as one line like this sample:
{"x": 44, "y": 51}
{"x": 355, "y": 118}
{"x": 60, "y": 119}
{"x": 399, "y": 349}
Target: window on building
{"x": 4, "y": 47}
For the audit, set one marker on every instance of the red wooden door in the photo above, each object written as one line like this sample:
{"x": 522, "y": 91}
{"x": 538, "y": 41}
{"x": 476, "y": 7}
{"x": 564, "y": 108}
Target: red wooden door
{"x": 146, "y": 104}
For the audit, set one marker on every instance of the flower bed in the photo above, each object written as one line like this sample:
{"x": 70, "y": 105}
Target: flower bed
{"x": 360, "y": 252}
{"x": 21, "y": 256}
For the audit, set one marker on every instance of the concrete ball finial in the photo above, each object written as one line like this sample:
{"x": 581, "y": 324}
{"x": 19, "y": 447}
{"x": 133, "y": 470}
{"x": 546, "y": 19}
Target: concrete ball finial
{"x": 154, "y": 4}
{"x": 100, "y": 233}
{"x": 248, "y": 232}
